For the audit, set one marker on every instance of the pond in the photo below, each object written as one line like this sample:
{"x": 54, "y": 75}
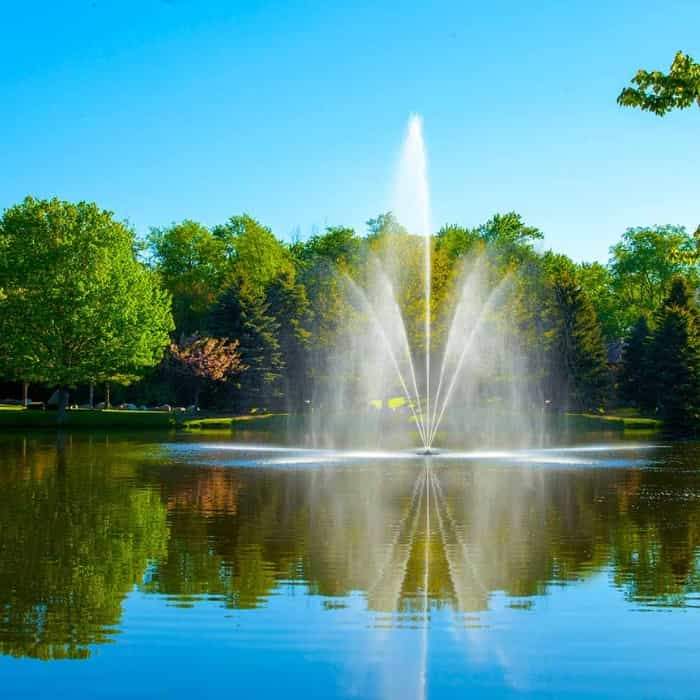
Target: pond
{"x": 198, "y": 567}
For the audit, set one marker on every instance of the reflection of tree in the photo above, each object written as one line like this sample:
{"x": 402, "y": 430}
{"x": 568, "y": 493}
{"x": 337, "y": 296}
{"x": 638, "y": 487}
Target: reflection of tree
{"x": 655, "y": 545}
{"x": 75, "y": 537}
{"x": 347, "y": 529}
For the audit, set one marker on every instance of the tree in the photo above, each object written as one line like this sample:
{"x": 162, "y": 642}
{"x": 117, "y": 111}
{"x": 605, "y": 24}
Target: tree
{"x": 384, "y": 224}
{"x": 597, "y": 281}
{"x": 643, "y": 265}
{"x": 675, "y": 357}
{"x": 77, "y": 304}
{"x": 635, "y": 380}
{"x": 660, "y": 93}
{"x": 456, "y": 241}
{"x": 256, "y": 257}
{"x": 581, "y": 374}
{"x": 201, "y": 360}
{"x": 193, "y": 266}
{"x": 289, "y": 305}
{"x": 246, "y": 316}
{"x": 337, "y": 244}
{"x": 510, "y": 235}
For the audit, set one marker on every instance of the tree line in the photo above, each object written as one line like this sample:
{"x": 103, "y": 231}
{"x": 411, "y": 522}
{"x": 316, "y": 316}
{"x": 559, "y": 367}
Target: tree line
{"x": 236, "y": 318}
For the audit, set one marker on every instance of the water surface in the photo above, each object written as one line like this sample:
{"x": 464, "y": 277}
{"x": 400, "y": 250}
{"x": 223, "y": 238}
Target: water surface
{"x": 180, "y": 567}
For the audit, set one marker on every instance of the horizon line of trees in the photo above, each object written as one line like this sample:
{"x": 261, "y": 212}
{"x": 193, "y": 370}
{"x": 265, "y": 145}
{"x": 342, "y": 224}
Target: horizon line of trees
{"x": 234, "y": 316}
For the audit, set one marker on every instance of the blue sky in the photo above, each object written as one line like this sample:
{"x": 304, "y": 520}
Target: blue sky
{"x": 294, "y": 111}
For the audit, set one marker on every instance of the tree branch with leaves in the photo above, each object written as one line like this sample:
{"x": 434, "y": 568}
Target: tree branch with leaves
{"x": 660, "y": 93}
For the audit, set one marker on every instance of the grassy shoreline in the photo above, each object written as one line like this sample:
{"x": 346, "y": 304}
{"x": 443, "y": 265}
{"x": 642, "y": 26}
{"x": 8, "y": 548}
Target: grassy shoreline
{"x": 17, "y": 417}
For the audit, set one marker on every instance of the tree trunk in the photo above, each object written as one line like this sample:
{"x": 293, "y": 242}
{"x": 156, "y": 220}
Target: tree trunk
{"x": 92, "y": 395}
{"x": 197, "y": 391}
{"x": 25, "y": 393}
{"x": 108, "y": 403}
{"x": 62, "y": 403}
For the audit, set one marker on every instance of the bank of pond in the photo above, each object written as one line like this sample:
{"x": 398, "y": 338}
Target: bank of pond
{"x": 16, "y": 416}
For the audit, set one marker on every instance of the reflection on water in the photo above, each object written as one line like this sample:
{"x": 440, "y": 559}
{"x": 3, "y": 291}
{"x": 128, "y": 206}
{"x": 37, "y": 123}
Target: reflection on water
{"x": 110, "y": 540}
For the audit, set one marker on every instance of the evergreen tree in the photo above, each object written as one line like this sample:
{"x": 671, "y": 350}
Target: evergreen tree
{"x": 581, "y": 375}
{"x": 245, "y": 316}
{"x": 675, "y": 357}
{"x": 289, "y": 305}
{"x": 635, "y": 375}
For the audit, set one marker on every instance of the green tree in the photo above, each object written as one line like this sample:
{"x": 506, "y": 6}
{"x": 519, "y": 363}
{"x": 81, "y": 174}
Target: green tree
{"x": 384, "y": 224}
{"x": 322, "y": 262}
{"x": 675, "y": 358}
{"x": 77, "y": 304}
{"x": 659, "y": 92}
{"x": 193, "y": 266}
{"x": 246, "y": 317}
{"x": 510, "y": 236}
{"x": 289, "y": 305}
{"x": 579, "y": 359}
{"x": 635, "y": 380}
{"x": 644, "y": 263}
{"x": 255, "y": 255}
{"x": 337, "y": 244}
{"x": 597, "y": 281}
{"x": 455, "y": 241}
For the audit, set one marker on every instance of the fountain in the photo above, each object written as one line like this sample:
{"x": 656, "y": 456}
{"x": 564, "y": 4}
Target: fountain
{"x": 457, "y": 322}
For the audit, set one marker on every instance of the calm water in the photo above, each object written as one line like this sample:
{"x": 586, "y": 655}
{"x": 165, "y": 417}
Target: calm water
{"x": 182, "y": 568}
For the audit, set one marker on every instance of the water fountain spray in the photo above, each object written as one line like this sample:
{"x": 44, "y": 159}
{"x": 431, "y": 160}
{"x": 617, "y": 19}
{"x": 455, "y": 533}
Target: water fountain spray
{"x": 460, "y": 365}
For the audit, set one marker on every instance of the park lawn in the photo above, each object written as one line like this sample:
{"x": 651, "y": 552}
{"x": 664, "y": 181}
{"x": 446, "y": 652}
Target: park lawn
{"x": 84, "y": 418}
{"x": 257, "y": 421}
{"x": 15, "y": 416}
{"x": 622, "y": 419}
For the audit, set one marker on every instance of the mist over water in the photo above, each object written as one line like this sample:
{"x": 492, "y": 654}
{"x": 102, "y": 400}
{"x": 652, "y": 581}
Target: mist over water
{"x": 429, "y": 356}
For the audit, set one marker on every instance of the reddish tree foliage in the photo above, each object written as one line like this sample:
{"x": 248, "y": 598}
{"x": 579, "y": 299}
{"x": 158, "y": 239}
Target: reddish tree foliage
{"x": 203, "y": 359}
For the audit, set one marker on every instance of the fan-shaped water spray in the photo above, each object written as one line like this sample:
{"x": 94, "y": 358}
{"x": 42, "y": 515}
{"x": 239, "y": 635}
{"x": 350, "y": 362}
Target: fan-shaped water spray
{"x": 440, "y": 348}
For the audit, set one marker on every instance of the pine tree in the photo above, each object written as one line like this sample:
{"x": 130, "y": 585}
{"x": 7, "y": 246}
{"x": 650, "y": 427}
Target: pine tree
{"x": 245, "y": 316}
{"x": 635, "y": 375}
{"x": 289, "y": 305}
{"x": 675, "y": 356}
{"x": 578, "y": 347}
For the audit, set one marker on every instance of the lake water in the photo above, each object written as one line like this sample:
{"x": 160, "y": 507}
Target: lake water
{"x": 183, "y": 567}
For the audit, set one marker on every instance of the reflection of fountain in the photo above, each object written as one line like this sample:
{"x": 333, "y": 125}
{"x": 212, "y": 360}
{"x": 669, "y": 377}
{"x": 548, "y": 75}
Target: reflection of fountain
{"x": 426, "y": 583}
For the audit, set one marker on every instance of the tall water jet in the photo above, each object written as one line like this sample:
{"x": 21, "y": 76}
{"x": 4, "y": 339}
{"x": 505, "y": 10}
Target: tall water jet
{"x": 412, "y": 208}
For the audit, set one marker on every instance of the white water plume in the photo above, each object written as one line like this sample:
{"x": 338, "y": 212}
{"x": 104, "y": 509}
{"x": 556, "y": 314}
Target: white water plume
{"x": 392, "y": 359}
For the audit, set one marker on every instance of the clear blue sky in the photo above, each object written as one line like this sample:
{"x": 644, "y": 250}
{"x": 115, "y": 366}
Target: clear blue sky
{"x": 294, "y": 111}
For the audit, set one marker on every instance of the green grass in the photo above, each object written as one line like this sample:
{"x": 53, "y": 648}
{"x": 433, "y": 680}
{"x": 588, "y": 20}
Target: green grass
{"x": 260, "y": 421}
{"x": 18, "y": 417}
{"x": 221, "y": 423}
{"x": 624, "y": 419}
{"x": 13, "y": 416}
